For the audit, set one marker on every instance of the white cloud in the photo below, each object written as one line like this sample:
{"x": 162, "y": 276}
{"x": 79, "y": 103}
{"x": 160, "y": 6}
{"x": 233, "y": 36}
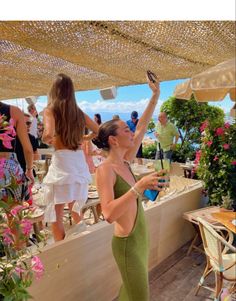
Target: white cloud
{"x": 111, "y": 106}
{"x": 116, "y": 106}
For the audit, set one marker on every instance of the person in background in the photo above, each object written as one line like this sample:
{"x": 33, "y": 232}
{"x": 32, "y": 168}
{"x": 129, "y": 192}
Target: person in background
{"x": 33, "y": 141}
{"x": 168, "y": 135}
{"x": 115, "y": 117}
{"x": 68, "y": 175}
{"x": 40, "y": 134}
{"x": 10, "y": 167}
{"x": 34, "y": 114}
{"x": 87, "y": 147}
{"x": 132, "y": 124}
{"x": 98, "y": 119}
{"x": 121, "y": 199}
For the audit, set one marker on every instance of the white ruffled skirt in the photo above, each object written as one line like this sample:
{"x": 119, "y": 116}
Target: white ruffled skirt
{"x": 66, "y": 181}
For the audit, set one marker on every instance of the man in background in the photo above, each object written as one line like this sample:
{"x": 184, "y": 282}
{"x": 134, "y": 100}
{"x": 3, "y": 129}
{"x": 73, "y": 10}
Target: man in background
{"x": 132, "y": 123}
{"x": 167, "y": 135}
{"x": 34, "y": 115}
{"x": 34, "y": 143}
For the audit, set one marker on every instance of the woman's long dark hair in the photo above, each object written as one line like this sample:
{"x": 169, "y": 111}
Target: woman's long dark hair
{"x": 99, "y": 119}
{"x": 69, "y": 119}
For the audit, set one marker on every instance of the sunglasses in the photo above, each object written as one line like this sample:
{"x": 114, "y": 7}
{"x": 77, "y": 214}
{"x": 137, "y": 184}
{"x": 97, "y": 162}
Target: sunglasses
{"x": 28, "y": 122}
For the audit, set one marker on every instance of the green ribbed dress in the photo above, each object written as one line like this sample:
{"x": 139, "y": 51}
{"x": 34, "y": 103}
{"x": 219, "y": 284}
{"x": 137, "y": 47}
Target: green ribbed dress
{"x": 131, "y": 253}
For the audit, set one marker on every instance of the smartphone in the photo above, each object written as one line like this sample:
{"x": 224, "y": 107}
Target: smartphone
{"x": 151, "y": 194}
{"x": 152, "y": 76}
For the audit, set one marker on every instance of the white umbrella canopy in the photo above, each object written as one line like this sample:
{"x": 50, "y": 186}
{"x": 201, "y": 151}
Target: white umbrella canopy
{"x": 212, "y": 84}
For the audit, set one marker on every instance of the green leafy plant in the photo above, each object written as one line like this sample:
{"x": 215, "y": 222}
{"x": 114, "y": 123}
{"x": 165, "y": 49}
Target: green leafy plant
{"x": 217, "y": 161}
{"x": 188, "y": 115}
{"x": 149, "y": 150}
{"x": 17, "y": 265}
{"x": 151, "y": 126}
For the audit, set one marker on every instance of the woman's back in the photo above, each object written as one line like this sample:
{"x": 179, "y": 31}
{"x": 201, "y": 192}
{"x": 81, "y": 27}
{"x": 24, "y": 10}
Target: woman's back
{"x": 64, "y": 122}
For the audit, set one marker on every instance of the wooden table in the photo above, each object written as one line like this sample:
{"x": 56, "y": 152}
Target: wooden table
{"x": 205, "y": 213}
{"x": 140, "y": 171}
{"x": 225, "y": 218}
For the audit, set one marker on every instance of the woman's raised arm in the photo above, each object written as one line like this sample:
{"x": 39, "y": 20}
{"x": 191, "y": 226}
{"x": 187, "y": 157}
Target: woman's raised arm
{"x": 144, "y": 120}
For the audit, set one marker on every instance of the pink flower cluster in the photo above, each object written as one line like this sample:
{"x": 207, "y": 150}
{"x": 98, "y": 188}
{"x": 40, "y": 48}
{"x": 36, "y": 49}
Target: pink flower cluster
{"x": 198, "y": 157}
{"x": 26, "y": 227}
{"x": 220, "y": 131}
{"x": 37, "y": 267}
{"x": 17, "y": 209}
{"x": 203, "y": 126}
{"x": 9, "y": 131}
{"x": 209, "y": 143}
{"x": 7, "y": 236}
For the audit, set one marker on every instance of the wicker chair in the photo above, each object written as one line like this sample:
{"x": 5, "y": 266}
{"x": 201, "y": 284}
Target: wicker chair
{"x": 220, "y": 256}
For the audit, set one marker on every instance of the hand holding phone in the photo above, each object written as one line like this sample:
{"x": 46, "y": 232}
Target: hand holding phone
{"x": 151, "y": 194}
{"x": 151, "y": 76}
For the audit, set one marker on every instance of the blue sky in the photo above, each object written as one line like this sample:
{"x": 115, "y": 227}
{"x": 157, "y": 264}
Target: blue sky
{"x": 128, "y": 98}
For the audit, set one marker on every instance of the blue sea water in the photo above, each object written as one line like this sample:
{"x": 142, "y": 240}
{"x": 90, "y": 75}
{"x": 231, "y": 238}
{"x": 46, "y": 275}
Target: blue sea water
{"x": 105, "y": 116}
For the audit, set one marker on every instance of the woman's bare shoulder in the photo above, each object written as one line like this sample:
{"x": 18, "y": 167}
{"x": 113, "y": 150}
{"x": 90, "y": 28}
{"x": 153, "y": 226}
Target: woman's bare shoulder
{"x": 106, "y": 168}
{"x": 105, "y": 173}
{"x": 47, "y": 111}
{"x": 16, "y": 112}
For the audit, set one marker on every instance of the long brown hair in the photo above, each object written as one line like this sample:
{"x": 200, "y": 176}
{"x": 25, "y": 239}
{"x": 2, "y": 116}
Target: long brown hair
{"x": 69, "y": 119}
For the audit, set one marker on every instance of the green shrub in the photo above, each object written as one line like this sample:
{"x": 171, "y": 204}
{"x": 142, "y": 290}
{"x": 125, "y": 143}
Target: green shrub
{"x": 183, "y": 151}
{"x": 149, "y": 151}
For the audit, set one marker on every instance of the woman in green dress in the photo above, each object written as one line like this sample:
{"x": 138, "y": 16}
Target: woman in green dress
{"x": 121, "y": 196}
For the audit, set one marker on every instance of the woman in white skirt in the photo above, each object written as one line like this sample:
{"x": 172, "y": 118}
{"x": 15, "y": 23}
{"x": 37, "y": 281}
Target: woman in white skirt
{"x": 68, "y": 176}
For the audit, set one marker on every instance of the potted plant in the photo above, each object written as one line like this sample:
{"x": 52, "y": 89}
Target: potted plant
{"x": 17, "y": 265}
{"x": 216, "y": 161}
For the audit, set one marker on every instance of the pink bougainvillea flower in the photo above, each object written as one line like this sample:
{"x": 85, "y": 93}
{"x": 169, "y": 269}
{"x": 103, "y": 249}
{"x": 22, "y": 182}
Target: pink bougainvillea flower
{"x": 6, "y": 140}
{"x": 198, "y": 156}
{"x": 209, "y": 143}
{"x": 227, "y": 125}
{"x": 26, "y": 227}
{"x": 17, "y": 209}
{"x": 19, "y": 271}
{"x": 226, "y": 146}
{"x": 220, "y": 131}
{"x": 216, "y": 158}
{"x": 203, "y": 126}
{"x": 9, "y": 130}
{"x": 233, "y": 162}
{"x": 8, "y": 236}
{"x": 37, "y": 267}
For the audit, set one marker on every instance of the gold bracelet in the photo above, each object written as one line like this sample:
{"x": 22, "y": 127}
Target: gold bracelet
{"x": 135, "y": 191}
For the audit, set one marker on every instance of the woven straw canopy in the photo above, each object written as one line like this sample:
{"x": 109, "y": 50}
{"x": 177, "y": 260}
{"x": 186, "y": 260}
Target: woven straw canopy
{"x": 100, "y": 54}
